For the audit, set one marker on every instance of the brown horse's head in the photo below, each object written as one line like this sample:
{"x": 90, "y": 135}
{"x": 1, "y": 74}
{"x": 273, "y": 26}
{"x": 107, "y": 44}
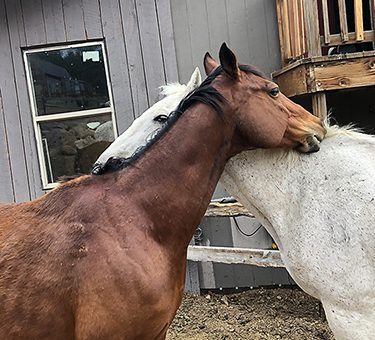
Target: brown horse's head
{"x": 266, "y": 118}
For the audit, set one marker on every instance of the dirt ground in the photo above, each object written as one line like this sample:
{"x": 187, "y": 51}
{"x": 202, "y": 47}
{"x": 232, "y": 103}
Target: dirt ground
{"x": 253, "y": 314}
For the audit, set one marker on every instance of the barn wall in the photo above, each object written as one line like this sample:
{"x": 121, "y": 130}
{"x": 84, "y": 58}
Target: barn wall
{"x": 138, "y": 35}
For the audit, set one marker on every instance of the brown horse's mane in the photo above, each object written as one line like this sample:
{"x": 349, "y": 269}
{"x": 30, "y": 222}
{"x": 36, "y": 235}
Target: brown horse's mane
{"x": 205, "y": 94}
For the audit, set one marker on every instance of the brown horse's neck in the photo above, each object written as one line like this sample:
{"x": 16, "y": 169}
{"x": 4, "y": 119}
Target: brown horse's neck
{"x": 175, "y": 179}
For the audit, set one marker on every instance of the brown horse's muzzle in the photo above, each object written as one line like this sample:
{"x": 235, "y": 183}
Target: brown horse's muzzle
{"x": 307, "y": 135}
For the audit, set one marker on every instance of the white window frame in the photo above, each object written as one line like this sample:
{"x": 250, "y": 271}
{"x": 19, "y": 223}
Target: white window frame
{"x": 63, "y": 116}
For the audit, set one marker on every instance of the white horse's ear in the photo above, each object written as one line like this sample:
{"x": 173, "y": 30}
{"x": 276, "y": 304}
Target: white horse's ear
{"x": 195, "y": 80}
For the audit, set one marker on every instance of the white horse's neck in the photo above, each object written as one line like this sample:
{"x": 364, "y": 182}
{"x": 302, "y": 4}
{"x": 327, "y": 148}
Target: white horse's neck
{"x": 280, "y": 187}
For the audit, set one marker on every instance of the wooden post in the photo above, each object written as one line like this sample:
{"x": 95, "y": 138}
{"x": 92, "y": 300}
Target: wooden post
{"x": 343, "y": 21}
{"x": 325, "y": 21}
{"x": 358, "y": 20}
{"x": 286, "y": 32}
{"x": 281, "y": 30}
{"x": 312, "y": 27}
{"x": 319, "y": 105}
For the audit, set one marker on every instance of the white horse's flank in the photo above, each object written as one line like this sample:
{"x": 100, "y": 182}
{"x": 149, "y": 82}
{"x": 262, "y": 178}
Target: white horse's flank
{"x": 150, "y": 121}
{"x": 319, "y": 208}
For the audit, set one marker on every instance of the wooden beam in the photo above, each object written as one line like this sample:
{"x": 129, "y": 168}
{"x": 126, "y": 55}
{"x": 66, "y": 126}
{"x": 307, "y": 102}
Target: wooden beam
{"x": 319, "y": 105}
{"x": 293, "y": 82}
{"x": 280, "y": 27}
{"x": 358, "y": 19}
{"x": 343, "y": 20}
{"x": 216, "y": 209}
{"x": 286, "y": 32}
{"x": 325, "y": 22}
{"x": 255, "y": 257}
{"x": 335, "y": 39}
{"x": 312, "y": 27}
{"x": 302, "y": 27}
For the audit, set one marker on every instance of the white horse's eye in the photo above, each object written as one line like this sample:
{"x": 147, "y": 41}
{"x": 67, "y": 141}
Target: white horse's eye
{"x": 161, "y": 118}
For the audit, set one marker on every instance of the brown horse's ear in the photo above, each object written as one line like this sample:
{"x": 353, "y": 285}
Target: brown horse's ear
{"x": 229, "y": 62}
{"x": 209, "y": 63}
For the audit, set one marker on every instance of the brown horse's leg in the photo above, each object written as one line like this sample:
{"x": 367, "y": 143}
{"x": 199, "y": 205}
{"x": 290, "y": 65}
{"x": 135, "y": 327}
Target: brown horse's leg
{"x": 163, "y": 334}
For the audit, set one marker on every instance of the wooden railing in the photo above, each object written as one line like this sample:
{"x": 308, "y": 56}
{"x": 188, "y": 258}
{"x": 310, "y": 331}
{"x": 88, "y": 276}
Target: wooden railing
{"x": 298, "y": 22}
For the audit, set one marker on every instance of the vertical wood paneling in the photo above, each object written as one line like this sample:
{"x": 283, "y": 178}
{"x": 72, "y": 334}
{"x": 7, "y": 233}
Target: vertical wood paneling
{"x": 54, "y": 21}
{"x": 151, "y": 48}
{"x": 135, "y": 58}
{"x": 16, "y": 31}
{"x": 118, "y": 64}
{"x": 184, "y": 51}
{"x": 11, "y": 113}
{"x": 6, "y": 187}
{"x": 34, "y": 24}
{"x": 167, "y": 40}
{"x": 74, "y": 23}
{"x": 91, "y": 15}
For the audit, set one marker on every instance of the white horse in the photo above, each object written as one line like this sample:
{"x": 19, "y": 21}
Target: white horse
{"x": 146, "y": 125}
{"x": 319, "y": 208}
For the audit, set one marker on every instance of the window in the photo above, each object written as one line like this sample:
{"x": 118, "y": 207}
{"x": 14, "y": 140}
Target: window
{"x": 71, "y": 106}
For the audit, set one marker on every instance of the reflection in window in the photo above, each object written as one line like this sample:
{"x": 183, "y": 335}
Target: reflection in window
{"x": 71, "y": 106}
{"x": 69, "y": 80}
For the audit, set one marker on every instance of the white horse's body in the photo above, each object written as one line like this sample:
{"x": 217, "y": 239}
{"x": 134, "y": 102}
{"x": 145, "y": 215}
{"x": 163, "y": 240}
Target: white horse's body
{"x": 319, "y": 208}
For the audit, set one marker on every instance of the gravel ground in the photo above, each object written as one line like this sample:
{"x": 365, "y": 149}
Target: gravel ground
{"x": 254, "y": 314}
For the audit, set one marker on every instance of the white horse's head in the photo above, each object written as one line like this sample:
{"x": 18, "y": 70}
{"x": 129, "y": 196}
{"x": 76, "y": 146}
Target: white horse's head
{"x": 145, "y": 126}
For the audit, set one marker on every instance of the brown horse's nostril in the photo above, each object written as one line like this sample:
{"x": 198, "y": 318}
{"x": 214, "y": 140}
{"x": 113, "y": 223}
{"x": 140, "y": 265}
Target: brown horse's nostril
{"x": 311, "y": 144}
{"x": 319, "y": 138}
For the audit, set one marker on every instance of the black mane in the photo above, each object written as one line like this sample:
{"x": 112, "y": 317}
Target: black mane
{"x": 205, "y": 94}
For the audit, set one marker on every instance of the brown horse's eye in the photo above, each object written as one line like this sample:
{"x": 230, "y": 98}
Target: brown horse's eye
{"x": 274, "y": 92}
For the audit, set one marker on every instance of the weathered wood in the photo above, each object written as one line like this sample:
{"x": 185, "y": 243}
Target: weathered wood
{"x": 17, "y": 39}
{"x": 286, "y": 31}
{"x": 135, "y": 58}
{"x": 335, "y": 39}
{"x": 345, "y": 74}
{"x": 312, "y": 28}
{"x": 6, "y": 185}
{"x": 54, "y": 21}
{"x": 118, "y": 64}
{"x": 302, "y": 27}
{"x": 326, "y": 22}
{"x": 255, "y": 257}
{"x": 343, "y": 20}
{"x": 358, "y": 20}
{"x": 216, "y": 209}
{"x": 92, "y": 19}
{"x": 11, "y": 117}
{"x": 34, "y": 22}
{"x": 167, "y": 40}
{"x": 151, "y": 48}
{"x": 295, "y": 33}
{"x": 319, "y": 105}
{"x": 74, "y": 21}
{"x": 280, "y": 25}
{"x": 294, "y": 81}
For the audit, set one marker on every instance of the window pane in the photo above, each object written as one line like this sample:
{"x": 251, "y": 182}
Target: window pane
{"x": 71, "y": 79}
{"x": 72, "y": 146}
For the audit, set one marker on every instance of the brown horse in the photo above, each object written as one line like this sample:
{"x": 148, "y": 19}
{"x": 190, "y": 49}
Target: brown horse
{"x": 103, "y": 257}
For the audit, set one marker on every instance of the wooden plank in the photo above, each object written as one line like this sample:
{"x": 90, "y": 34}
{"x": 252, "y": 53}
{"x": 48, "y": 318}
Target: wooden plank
{"x": 319, "y": 105}
{"x": 302, "y": 27}
{"x": 216, "y": 209}
{"x": 16, "y": 36}
{"x": 335, "y": 39}
{"x": 135, "y": 59}
{"x": 184, "y": 50}
{"x": 343, "y": 20}
{"x": 74, "y": 20}
{"x": 286, "y": 32}
{"x": 358, "y": 20}
{"x": 118, "y": 64}
{"x": 54, "y": 21}
{"x": 92, "y": 19}
{"x": 151, "y": 48}
{"x": 280, "y": 28}
{"x": 293, "y": 82}
{"x": 32, "y": 11}
{"x": 372, "y": 10}
{"x": 6, "y": 185}
{"x": 345, "y": 74}
{"x": 10, "y": 109}
{"x": 255, "y": 257}
{"x": 312, "y": 28}
{"x": 293, "y": 27}
{"x": 325, "y": 21}
{"x": 164, "y": 16}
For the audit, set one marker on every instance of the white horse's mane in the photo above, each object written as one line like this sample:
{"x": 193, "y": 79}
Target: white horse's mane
{"x": 172, "y": 88}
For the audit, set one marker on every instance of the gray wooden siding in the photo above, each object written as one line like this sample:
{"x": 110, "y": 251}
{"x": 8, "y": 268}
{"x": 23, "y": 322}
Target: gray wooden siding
{"x": 141, "y": 55}
{"x": 248, "y": 26}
